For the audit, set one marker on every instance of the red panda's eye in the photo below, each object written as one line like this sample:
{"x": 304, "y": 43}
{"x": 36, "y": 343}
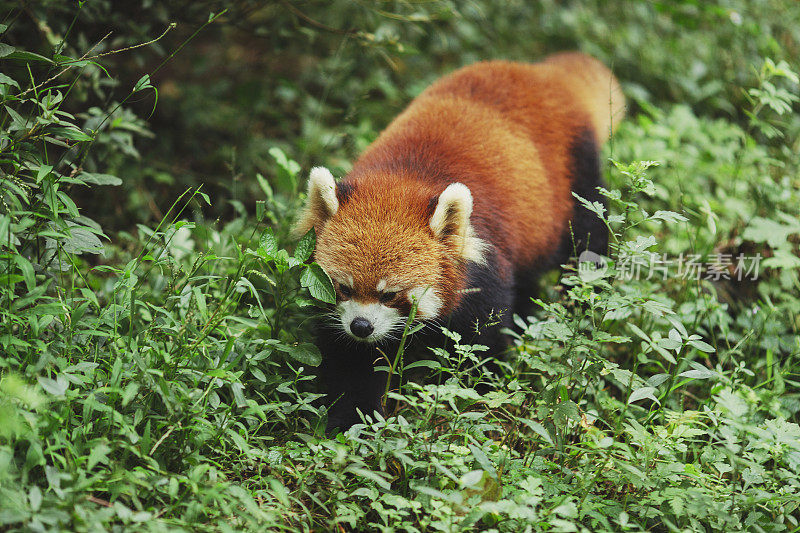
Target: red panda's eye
{"x": 346, "y": 291}
{"x": 387, "y": 297}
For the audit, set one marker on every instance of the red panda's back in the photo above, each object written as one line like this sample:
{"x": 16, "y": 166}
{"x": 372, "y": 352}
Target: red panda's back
{"x": 505, "y": 130}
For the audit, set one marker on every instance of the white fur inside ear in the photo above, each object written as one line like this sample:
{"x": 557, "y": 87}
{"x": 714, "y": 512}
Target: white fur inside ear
{"x": 321, "y": 204}
{"x": 453, "y": 209}
{"x": 453, "y": 212}
{"x": 322, "y": 187}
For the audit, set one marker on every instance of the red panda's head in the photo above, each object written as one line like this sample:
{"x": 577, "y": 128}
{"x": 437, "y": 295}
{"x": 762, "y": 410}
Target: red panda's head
{"x": 388, "y": 243}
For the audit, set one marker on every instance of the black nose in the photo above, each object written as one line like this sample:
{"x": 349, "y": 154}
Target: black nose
{"x": 361, "y": 327}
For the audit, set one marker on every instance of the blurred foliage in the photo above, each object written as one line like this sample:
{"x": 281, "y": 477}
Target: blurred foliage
{"x": 154, "y": 325}
{"x": 320, "y": 78}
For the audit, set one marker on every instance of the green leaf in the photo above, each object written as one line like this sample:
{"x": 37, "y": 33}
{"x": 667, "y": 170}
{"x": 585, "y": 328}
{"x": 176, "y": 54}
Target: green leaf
{"x": 702, "y": 346}
{"x": 639, "y": 333}
{"x": 6, "y": 49}
{"x": 379, "y": 478}
{"x": 266, "y": 188}
{"x": 668, "y": 216}
{"x": 56, "y": 387}
{"x": 238, "y": 394}
{"x": 782, "y": 259}
{"x": 35, "y": 497}
{"x": 305, "y": 247}
{"x": 268, "y": 246}
{"x": 26, "y": 268}
{"x": 770, "y": 231}
{"x": 537, "y": 428}
{"x": 82, "y": 240}
{"x": 143, "y": 83}
{"x": 471, "y": 478}
{"x": 24, "y": 55}
{"x": 98, "y": 454}
{"x": 69, "y": 132}
{"x": 427, "y": 363}
{"x": 482, "y": 459}
{"x": 698, "y": 373}
{"x": 318, "y": 283}
{"x": 565, "y": 411}
{"x": 657, "y": 380}
{"x": 305, "y": 352}
{"x": 641, "y": 394}
{"x": 43, "y": 172}
{"x": 5, "y": 80}
{"x": 99, "y": 179}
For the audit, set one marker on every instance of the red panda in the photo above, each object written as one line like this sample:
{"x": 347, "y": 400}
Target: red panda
{"x": 460, "y": 202}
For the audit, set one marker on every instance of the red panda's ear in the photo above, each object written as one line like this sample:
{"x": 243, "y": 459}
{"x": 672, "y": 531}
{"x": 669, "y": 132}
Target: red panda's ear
{"x": 451, "y": 222}
{"x": 453, "y": 209}
{"x": 321, "y": 203}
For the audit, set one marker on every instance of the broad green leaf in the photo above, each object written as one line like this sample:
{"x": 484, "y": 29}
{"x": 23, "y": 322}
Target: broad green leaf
{"x": 641, "y": 394}
{"x": 427, "y": 363}
{"x": 770, "y": 231}
{"x": 35, "y": 497}
{"x": 268, "y": 246}
{"x": 69, "y": 132}
{"x": 318, "y": 283}
{"x": 657, "y": 380}
{"x": 238, "y": 395}
{"x": 471, "y": 478}
{"x": 782, "y": 259}
{"x": 24, "y": 55}
{"x": 99, "y": 453}
{"x": 305, "y": 352}
{"x": 5, "y": 80}
{"x": 56, "y": 387}
{"x": 82, "y": 240}
{"x": 698, "y": 373}
{"x": 668, "y": 216}
{"x": 379, "y": 478}
{"x": 305, "y": 247}
{"x": 537, "y": 428}
{"x": 43, "y": 172}
{"x": 26, "y": 268}
{"x": 99, "y": 179}
{"x": 566, "y": 411}
{"x": 702, "y": 346}
{"x": 639, "y": 333}
{"x": 482, "y": 459}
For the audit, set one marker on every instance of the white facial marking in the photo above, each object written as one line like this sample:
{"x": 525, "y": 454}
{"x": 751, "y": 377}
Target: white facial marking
{"x": 428, "y": 302}
{"x": 383, "y": 319}
{"x": 381, "y": 285}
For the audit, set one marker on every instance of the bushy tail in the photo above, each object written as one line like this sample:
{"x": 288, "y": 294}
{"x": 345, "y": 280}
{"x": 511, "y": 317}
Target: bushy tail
{"x": 596, "y": 87}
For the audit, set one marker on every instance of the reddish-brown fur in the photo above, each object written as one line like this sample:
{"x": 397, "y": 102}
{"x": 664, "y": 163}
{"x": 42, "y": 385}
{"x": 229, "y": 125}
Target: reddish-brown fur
{"x": 504, "y": 130}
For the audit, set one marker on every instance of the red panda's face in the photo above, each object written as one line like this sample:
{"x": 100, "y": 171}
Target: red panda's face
{"x": 388, "y": 246}
{"x": 380, "y": 268}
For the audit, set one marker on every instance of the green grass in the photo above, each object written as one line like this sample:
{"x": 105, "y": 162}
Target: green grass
{"x": 157, "y": 366}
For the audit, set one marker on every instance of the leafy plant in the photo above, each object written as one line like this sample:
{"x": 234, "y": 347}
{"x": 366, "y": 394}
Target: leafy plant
{"x": 157, "y": 360}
